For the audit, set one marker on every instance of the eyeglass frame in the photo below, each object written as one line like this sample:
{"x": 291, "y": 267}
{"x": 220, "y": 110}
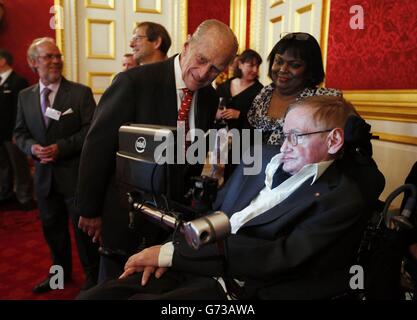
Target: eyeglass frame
{"x": 297, "y": 135}
{"x": 301, "y": 36}
{"x": 137, "y": 37}
{"x": 50, "y": 56}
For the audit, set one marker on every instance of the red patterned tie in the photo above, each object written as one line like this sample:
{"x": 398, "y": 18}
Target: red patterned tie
{"x": 183, "y": 113}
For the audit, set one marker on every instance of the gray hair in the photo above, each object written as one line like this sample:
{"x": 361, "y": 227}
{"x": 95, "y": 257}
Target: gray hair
{"x": 32, "y": 52}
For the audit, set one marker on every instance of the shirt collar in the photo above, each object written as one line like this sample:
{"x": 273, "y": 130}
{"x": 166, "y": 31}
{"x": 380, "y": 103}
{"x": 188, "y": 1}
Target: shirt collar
{"x": 179, "y": 82}
{"x": 313, "y": 169}
{"x": 5, "y": 75}
{"x": 52, "y": 86}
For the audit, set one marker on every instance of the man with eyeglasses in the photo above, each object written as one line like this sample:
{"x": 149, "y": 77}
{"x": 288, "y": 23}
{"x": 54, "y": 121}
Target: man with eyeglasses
{"x": 295, "y": 228}
{"x": 150, "y": 42}
{"x": 52, "y": 120}
{"x": 177, "y": 89}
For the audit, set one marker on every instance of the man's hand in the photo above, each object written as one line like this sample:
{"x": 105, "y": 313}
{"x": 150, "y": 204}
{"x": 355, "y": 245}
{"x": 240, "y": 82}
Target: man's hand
{"x": 45, "y": 154}
{"x": 145, "y": 261}
{"x": 91, "y": 226}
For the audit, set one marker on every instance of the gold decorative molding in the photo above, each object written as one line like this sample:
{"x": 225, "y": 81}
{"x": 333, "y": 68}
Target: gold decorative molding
{"x": 91, "y": 75}
{"x": 157, "y": 9}
{"x": 305, "y": 9}
{"x": 238, "y": 14}
{"x": 274, "y": 3}
{"x": 109, "y": 5}
{"x": 389, "y": 105}
{"x": 253, "y": 24}
{"x": 396, "y": 138}
{"x": 272, "y": 22}
{"x": 59, "y": 33}
{"x": 111, "y": 24}
{"x": 324, "y": 36}
{"x": 184, "y": 19}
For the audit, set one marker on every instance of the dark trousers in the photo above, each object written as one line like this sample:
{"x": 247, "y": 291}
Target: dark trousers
{"x": 54, "y": 213}
{"x": 14, "y": 167}
{"x": 171, "y": 286}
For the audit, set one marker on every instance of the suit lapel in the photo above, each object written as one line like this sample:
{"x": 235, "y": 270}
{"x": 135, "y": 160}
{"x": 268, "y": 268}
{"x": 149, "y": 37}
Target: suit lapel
{"x": 62, "y": 96}
{"x": 169, "y": 97}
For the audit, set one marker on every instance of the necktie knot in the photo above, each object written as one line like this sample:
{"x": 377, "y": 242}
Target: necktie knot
{"x": 46, "y": 92}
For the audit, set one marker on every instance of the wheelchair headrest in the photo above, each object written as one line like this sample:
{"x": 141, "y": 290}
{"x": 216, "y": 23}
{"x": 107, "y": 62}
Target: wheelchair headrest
{"x": 358, "y": 136}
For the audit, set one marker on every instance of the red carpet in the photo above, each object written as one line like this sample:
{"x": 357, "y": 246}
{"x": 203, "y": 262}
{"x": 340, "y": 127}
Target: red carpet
{"x": 25, "y": 258}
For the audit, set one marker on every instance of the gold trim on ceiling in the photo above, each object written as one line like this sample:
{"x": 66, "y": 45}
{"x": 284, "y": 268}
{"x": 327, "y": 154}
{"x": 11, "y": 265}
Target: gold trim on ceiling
{"x": 109, "y": 5}
{"x": 156, "y": 10}
{"x": 238, "y": 14}
{"x": 396, "y": 138}
{"x": 111, "y": 24}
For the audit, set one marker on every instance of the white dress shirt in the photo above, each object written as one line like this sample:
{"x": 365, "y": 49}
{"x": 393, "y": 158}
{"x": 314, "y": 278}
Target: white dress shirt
{"x": 5, "y": 75}
{"x": 54, "y": 87}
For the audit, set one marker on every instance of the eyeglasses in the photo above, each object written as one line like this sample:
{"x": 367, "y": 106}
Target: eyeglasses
{"x": 302, "y": 36}
{"x": 293, "y": 138}
{"x": 50, "y": 56}
{"x": 138, "y": 37}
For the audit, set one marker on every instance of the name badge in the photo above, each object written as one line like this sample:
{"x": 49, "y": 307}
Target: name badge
{"x": 53, "y": 114}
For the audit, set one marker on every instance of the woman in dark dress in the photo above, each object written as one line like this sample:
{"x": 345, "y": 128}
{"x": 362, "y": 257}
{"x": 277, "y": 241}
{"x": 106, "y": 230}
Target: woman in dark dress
{"x": 239, "y": 91}
{"x": 236, "y": 96}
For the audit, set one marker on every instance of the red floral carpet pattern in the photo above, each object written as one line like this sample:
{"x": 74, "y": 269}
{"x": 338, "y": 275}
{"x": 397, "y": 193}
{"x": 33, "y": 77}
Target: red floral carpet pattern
{"x": 25, "y": 258}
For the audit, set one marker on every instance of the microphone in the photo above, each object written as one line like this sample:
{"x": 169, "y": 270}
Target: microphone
{"x": 198, "y": 232}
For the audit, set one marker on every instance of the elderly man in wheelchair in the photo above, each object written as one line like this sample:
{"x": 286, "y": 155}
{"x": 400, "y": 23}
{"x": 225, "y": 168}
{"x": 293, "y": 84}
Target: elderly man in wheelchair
{"x": 295, "y": 228}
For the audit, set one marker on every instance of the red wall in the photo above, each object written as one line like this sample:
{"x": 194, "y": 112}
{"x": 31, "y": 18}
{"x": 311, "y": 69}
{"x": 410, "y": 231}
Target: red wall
{"x": 381, "y": 56}
{"x": 200, "y": 10}
{"x": 24, "y": 21}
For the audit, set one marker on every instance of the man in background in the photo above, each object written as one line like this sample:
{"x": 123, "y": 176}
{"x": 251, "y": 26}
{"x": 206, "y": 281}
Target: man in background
{"x": 128, "y": 62}
{"x": 14, "y": 165}
{"x": 52, "y": 120}
{"x": 150, "y": 43}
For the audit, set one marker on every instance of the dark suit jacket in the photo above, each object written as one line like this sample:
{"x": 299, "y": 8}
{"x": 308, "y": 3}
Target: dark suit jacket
{"x": 144, "y": 95}
{"x": 9, "y": 92}
{"x": 296, "y": 249}
{"x": 69, "y": 133}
